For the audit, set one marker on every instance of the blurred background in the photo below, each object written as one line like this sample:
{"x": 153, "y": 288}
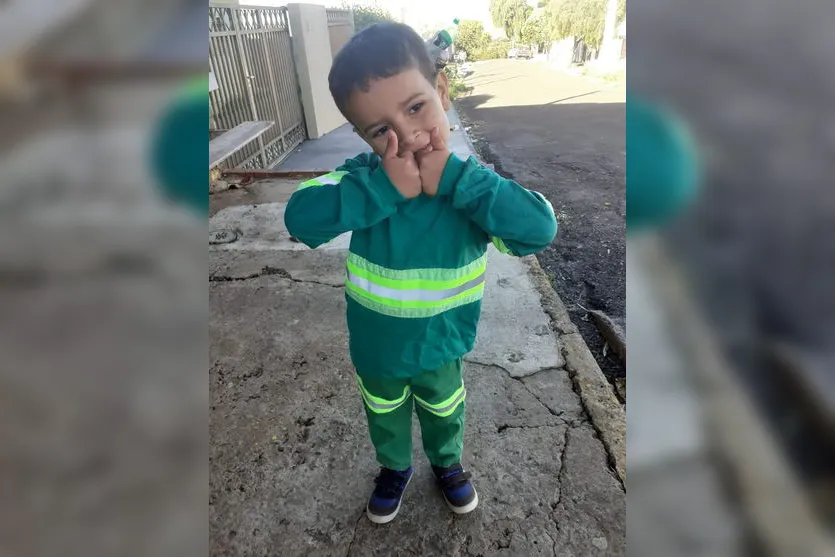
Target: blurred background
{"x": 731, "y": 305}
{"x": 103, "y": 352}
{"x": 103, "y": 392}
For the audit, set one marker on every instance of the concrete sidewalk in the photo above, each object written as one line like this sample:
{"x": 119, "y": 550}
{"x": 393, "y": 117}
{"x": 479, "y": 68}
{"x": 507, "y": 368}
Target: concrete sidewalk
{"x": 291, "y": 462}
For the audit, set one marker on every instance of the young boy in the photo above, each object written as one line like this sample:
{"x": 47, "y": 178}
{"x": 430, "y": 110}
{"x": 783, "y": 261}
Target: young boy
{"x": 421, "y": 219}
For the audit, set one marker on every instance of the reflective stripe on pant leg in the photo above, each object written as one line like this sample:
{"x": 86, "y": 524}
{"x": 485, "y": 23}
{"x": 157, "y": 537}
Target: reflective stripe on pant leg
{"x": 389, "y": 412}
{"x": 440, "y": 403}
{"x": 446, "y": 407}
{"x": 380, "y": 405}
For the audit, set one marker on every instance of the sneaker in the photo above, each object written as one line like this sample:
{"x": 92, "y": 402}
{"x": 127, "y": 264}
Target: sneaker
{"x": 385, "y": 501}
{"x": 459, "y": 493}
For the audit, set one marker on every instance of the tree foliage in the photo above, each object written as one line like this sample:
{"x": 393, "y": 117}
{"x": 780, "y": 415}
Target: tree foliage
{"x": 536, "y": 31}
{"x": 583, "y": 19}
{"x": 471, "y": 37}
{"x": 478, "y": 44}
{"x": 494, "y": 48}
{"x": 510, "y": 15}
{"x": 366, "y": 16}
{"x": 577, "y": 18}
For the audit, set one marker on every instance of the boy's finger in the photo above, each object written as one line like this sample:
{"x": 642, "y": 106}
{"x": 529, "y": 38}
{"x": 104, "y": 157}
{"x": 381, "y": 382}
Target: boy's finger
{"x": 435, "y": 139}
{"x": 408, "y": 156}
{"x": 391, "y": 146}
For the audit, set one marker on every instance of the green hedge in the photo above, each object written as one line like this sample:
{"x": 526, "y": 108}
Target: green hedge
{"x": 494, "y": 49}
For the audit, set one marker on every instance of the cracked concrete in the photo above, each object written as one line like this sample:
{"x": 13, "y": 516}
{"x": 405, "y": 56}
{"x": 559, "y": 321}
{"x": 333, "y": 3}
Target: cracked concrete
{"x": 268, "y": 271}
{"x": 607, "y": 415}
{"x": 291, "y": 462}
{"x": 515, "y": 331}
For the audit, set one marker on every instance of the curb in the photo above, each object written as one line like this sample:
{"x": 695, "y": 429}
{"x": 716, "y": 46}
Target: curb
{"x": 607, "y": 415}
{"x": 769, "y": 495}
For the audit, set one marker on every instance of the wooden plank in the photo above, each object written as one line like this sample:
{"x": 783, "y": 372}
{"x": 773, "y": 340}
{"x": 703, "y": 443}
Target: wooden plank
{"x": 612, "y": 333}
{"x": 234, "y": 140}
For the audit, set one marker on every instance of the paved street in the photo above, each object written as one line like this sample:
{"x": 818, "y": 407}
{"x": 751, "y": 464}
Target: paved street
{"x": 563, "y": 135}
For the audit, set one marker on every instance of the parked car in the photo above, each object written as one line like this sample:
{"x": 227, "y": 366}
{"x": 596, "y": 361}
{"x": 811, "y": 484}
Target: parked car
{"x": 520, "y": 52}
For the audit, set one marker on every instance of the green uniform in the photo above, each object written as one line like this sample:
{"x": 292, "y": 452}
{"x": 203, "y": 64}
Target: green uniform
{"x": 414, "y": 283}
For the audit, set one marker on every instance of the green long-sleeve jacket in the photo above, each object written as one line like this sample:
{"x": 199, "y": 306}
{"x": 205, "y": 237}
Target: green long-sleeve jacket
{"x": 415, "y": 268}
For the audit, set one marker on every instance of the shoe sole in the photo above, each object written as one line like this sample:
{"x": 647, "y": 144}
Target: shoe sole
{"x": 469, "y": 507}
{"x": 377, "y": 519}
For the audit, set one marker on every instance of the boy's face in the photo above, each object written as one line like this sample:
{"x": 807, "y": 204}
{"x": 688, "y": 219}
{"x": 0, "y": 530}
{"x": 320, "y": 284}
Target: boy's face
{"x": 406, "y": 103}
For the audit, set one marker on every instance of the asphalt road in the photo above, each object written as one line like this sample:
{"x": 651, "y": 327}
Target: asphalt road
{"x": 564, "y": 136}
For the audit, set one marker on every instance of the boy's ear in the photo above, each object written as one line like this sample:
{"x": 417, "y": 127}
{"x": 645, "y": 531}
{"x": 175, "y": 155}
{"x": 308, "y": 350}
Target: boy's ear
{"x": 442, "y": 86}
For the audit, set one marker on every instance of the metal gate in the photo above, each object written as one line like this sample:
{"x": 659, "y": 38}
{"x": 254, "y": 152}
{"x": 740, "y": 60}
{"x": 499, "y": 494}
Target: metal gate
{"x": 251, "y": 55}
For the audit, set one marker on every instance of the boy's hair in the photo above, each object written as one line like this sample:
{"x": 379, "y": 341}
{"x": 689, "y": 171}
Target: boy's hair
{"x": 380, "y": 51}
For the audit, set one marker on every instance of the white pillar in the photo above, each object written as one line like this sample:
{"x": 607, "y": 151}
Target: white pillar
{"x": 312, "y": 52}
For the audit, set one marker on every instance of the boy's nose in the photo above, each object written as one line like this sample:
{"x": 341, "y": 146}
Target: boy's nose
{"x": 410, "y": 140}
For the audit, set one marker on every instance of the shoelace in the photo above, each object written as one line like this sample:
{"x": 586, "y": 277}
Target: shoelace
{"x": 389, "y": 483}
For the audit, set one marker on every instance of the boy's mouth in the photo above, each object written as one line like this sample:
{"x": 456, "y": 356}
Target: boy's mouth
{"x": 425, "y": 148}
{"x": 420, "y": 153}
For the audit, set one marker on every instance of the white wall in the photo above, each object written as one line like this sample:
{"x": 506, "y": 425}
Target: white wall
{"x": 312, "y": 51}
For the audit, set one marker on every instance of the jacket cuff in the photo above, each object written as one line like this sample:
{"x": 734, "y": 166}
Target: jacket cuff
{"x": 452, "y": 171}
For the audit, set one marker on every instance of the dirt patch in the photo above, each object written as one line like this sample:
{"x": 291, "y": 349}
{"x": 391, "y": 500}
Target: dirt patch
{"x": 574, "y": 155}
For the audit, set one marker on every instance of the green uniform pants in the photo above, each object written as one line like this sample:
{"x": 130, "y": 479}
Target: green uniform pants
{"x": 438, "y": 398}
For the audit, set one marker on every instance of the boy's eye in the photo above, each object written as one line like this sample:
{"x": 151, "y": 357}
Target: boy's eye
{"x": 381, "y": 131}
{"x": 415, "y": 108}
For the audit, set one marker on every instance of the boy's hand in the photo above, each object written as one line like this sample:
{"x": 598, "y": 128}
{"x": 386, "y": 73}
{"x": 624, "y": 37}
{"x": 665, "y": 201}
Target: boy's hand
{"x": 402, "y": 170}
{"x": 432, "y": 162}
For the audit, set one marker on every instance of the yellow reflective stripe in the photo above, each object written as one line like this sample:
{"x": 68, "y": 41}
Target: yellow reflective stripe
{"x": 501, "y": 246}
{"x": 446, "y": 407}
{"x": 413, "y": 293}
{"x": 416, "y": 283}
{"x": 434, "y": 275}
{"x": 365, "y": 300}
{"x": 414, "y": 304}
{"x": 331, "y": 178}
{"x": 380, "y": 405}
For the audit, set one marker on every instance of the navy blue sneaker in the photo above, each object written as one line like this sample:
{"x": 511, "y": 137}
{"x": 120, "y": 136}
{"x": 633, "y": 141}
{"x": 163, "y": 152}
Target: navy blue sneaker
{"x": 459, "y": 493}
{"x": 385, "y": 501}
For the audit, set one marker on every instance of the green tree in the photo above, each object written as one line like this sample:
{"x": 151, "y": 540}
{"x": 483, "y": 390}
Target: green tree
{"x": 366, "y": 16}
{"x": 582, "y": 19}
{"x": 621, "y": 10}
{"x": 536, "y": 32}
{"x": 471, "y": 37}
{"x": 493, "y": 49}
{"x": 510, "y": 15}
